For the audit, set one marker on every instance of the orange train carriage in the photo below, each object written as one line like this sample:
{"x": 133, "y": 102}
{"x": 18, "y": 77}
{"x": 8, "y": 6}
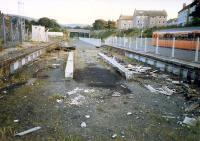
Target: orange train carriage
{"x": 186, "y": 38}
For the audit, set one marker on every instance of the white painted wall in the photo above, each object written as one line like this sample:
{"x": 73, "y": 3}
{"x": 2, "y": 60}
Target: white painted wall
{"x": 55, "y": 34}
{"x": 39, "y": 34}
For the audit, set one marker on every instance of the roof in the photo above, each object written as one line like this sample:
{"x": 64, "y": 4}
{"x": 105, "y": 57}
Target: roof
{"x": 125, "y": 17}
{"x": 150, "y": 13}
{"x": 185, "y": 30}
{"x": 188, "y": 6}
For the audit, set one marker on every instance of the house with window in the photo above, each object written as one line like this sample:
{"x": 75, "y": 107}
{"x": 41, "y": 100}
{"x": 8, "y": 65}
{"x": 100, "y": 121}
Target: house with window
{"x": 125, "y": 22}
{"x": 184, "y": 14}
{"x": 149, "y": 18}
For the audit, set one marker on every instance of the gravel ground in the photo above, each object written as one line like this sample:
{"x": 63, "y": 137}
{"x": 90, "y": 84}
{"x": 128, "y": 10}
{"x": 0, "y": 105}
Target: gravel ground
{"x": 62, "y": 106}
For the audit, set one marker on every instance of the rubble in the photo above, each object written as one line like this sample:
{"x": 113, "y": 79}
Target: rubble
{"x": 129, "y": 113}
{"x": 164, "y": 90}
{"x": 83, "y": 125}
{"x": 78, "y": 100}
{"x": 116, "y": 94}
{"x": 114, "y": 136}
{"x": 190, "y": 121}
{"x": 192, "y": 107}
{"x": 28, "y": 131}
{"x": 16, "y": 120}
{"x": 87, "y": 116}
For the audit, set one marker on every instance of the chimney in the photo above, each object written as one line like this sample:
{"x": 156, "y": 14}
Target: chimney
{"x": 184, "y": 5}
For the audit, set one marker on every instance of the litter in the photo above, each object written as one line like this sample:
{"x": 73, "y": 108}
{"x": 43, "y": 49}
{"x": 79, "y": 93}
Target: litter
{"x": 190, "y": 121}
{"x": 59, "y": 100}
{"x": 78, "y": 100}
{"x": 129, "y": 113}
{"x": 28, "y": 131}
{"x": 83, "y": 125}
{"x": 87, "y": 116}
{"x": 114, "y": 136}
{"x": 176, "y": 82}
{"x": 192, "y": 107}
{"x": 169, "y": 117}
{"x": 16, "y": 120}
{"x": 149, "y": 87}
{"x": 164, "y": 90}
{"x": 31, "y": 81}
{"x": 89, "y": 91}
{"x": 116, "y": 94}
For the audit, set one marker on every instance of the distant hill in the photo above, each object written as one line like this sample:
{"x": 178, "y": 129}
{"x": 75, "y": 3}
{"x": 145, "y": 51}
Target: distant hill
{"x": 27, "y": 18}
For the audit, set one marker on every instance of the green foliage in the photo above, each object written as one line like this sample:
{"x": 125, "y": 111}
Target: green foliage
{"x": 195, "y": 14}
{"x": 102, "y": 24}
{"x": 51, "y": 24}
{"x": 99, "y": 24}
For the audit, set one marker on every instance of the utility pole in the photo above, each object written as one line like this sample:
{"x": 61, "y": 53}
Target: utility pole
{"x": 4, "y": 30}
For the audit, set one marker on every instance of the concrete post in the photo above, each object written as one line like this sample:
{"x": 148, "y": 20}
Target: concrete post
{"x": 136, "y": 45}
{"x": 129, "y": 45}
{"x": 124, "y": 41}
{"x": 157, "y": 45}
{"x": 145, "y": 45}
{"x": 197, "y": 50}
{"x": 173, "y": 47}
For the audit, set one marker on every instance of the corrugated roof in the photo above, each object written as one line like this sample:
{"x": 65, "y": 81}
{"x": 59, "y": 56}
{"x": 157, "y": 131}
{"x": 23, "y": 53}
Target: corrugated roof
{"x": 150, "y": 13}
{"x": 179, "y": 30}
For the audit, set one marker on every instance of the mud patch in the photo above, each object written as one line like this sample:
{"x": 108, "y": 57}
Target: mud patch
{"x": 96, "y": 77}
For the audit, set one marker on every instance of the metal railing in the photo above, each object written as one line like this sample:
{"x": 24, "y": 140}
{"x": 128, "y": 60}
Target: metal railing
{"x": 170, "y": 48}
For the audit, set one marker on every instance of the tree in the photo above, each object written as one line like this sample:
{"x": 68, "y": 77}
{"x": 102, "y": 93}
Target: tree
{"x": 111, "y": 25}
{"x": 195, "y": 14}
{"x": 48, "y": 23}
{"x": 99, "y": 24}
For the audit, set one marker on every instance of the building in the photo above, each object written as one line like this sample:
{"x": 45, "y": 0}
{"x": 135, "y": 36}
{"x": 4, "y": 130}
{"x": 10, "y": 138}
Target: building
{"x": 184, "y": 14}
{"x": 149, "y": 18}
{"x": 172, "y": 22}
{"x": 125, "y": 22}
{"x": 39, "y": 34}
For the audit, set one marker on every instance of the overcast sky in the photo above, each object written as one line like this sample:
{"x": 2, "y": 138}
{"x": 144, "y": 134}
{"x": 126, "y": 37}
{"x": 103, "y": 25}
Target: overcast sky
{"x": 86, "y": 11}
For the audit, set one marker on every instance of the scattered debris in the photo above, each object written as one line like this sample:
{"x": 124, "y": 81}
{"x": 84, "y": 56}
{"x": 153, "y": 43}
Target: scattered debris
{"x": 116, "y": 94}
{"x": 176, "y": 82}
{"x": 138, "y": 69}
{"x": 89, "y": 91}
{"x": 83, "y": 125}
{"x": 59, "y": 100}
{"x": 114, "y": 136}
{"x": 31, "y": 81}
{"x": 16, "y": 120}
{"x": 149, "y": 87}
{"x": 87, "y": 116}
{"x": 164, "y": 90}
{"x": 169, "y": 117}
{"x": 192, "y": 107}
{"x": 28, "y": 131}
{"x": 190, "y": 121}
{"x": 129, "y": 113}
{"x": 78, "y": 100}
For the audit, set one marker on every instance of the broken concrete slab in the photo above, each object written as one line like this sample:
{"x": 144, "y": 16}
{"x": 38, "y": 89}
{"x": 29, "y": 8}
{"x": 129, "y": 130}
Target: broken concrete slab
{"x": 189, "y": 121}
{"x": 28, "y": 131}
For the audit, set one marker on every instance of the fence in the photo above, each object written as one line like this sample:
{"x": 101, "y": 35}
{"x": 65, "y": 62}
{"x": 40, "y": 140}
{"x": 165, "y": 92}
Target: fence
{"x": 12, "y": 30}
{"x": 169, "y": 48}
{"x": 92, "y": 41}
